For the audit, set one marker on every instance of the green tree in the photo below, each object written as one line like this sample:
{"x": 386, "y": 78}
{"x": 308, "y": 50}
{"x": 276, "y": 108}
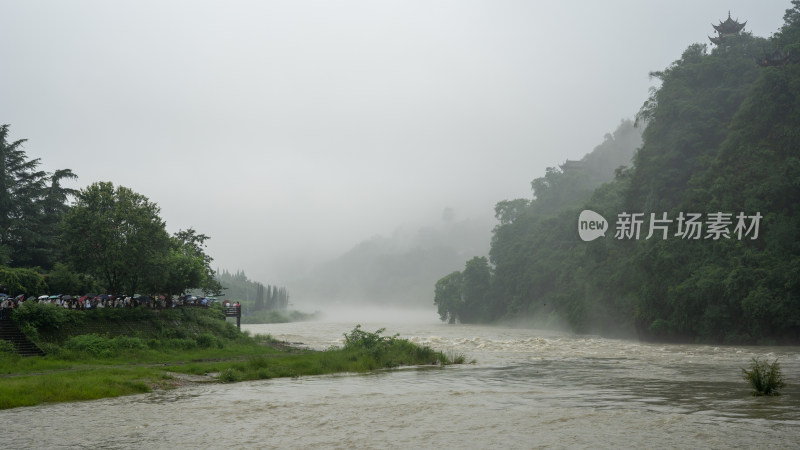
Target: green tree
{"x": 448, "y": 297}
{"x": 21, "y": 186}
{"x": 32, "y": 203}
{"x": 17, "y": 173}
{"x": 507, "y": 211}
{"x": 185, "y": 266}
{"x": 116, "y": 235}
{"x": 63, "y": 280}
{"x": 476, "y": 286}
{"x": 22, "y": 281}
{"x": 788, "y": 38}
{"x": 194, "y": 244}
{"x": 52, "y": 207}
{"x": 178, "y": 272}
{"x": 465, "y": 296}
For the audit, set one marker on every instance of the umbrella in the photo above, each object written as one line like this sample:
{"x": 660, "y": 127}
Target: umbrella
{"x": 67, "y": 297}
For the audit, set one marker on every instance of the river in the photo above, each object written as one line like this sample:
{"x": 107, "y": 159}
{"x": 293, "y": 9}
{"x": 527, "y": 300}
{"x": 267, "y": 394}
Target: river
{"x": 527, "y": 389}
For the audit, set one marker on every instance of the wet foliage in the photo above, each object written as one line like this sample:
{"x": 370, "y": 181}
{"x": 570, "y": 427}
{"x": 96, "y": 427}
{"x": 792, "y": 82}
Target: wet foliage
{"x": 764, "y": 377}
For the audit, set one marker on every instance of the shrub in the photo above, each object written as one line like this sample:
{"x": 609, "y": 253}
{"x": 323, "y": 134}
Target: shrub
{"x": 7, "y": 347}
{"x": 372, "y": 343}
{"x": 102, "y": 346}
{"x": 90, "y": 343}
{"x": 207, "y": 340}
{"x": 42, "y": 316}
{"x": 389, "y": 351}
{"x": 764, "y": 378}
{"x": 128, "y": 343}
{"x": 231, "y": 375}
{"x": 29, "y": 331}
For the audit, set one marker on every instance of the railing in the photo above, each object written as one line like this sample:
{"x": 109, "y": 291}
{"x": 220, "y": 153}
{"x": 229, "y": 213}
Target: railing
{"x": 235, "y": 311}
{"x": 230, "y": 311}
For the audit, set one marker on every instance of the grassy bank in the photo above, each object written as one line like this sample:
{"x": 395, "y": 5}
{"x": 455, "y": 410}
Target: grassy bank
{"x": 96, "y": 354}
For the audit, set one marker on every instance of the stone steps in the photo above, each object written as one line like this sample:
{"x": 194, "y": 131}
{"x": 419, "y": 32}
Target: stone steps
{"x": 10, "y": 332}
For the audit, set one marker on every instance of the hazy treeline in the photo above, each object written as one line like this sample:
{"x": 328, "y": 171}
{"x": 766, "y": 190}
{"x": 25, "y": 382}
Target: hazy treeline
{"x": 254, "y": 295}
{"x": 398, "y": 270}
{"x": 720, "y": 135}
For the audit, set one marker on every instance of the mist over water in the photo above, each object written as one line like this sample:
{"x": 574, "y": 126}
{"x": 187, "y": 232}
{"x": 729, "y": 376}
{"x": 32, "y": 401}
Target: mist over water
{"x": 400, "y": 269}
{"x": 369, "y": 313}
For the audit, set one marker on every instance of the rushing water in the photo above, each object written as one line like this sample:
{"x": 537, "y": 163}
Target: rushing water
{"x": 528, "y": 389}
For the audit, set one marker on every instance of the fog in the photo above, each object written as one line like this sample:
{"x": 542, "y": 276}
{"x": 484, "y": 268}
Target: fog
{"x": 291, "y": 131}
{"x": 346, "y": 314}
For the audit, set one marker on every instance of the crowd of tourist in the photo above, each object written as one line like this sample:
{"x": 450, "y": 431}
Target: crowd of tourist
{"x": 90, "y": 301}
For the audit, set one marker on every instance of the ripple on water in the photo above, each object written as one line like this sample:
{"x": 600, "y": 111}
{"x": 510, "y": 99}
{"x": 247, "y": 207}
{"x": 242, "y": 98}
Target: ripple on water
{"x": 527, "y": 389}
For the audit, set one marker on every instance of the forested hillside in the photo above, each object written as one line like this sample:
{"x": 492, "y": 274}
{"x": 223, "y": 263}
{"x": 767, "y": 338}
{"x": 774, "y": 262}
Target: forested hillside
{"x": 721, "y": 151}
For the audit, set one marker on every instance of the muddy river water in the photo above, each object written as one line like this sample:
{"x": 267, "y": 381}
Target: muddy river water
{"x": 527, "y": 389}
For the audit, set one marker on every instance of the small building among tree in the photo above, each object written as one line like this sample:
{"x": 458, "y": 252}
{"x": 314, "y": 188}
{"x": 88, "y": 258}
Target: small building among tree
{"x": 726, "y": 29}
{"x": 776, "y": 58}
{"x": 571, "y": 165}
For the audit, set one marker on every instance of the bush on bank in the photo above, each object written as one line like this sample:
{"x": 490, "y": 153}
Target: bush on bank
{"x": 362, "y": 351}
{"x": 764, "y": 377}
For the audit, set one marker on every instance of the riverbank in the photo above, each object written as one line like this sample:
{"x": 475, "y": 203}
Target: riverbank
{"x": 98, "y": 354}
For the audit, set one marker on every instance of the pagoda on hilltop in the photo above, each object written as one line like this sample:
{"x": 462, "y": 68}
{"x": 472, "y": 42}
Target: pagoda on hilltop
{"x": 725, "y": 29}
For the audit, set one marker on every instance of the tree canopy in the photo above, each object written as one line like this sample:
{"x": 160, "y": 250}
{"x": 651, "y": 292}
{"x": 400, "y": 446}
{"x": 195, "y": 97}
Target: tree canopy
{"x": 32, "y": 203}
{"x": 116, "y": 235}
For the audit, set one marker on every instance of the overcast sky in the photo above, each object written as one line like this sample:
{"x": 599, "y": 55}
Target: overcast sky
{"x": 288, "y": 131}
